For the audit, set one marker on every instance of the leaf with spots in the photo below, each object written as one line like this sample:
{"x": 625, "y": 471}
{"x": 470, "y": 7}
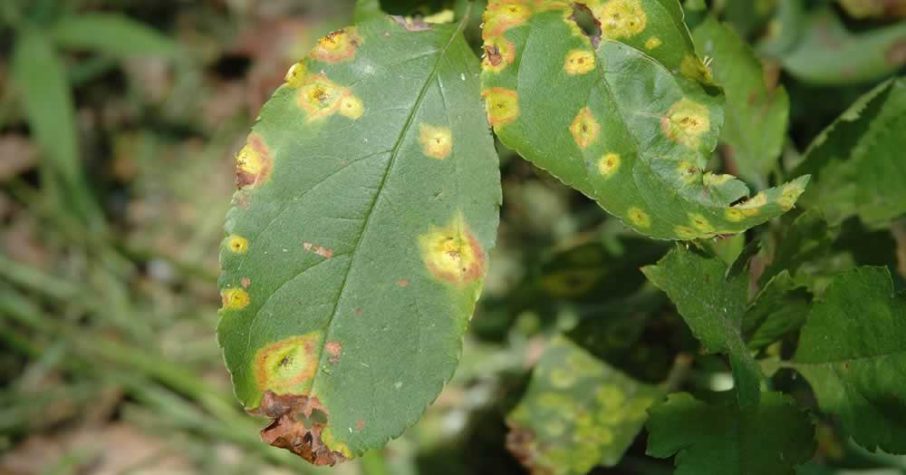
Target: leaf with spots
{"x": 756, "y": 110}
{"x": 629, "y": 118}
{"x": 358, "y": 240}
{"x": 578, "y": 412}
{"x": 858, "y": 163}
{"x": 722, "y": 439}
{"x": 852, "y": 350}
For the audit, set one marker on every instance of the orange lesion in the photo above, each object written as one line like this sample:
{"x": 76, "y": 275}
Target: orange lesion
{"x": 436, "y": 141}
{"x": 320, "y": 97}
{"x": 584, "y": 128}
{"x": 253, "y": 162}
{"x": 289, "y": 365}
{"x": 337, "y": 46}
{"x": 452, "y": 253}
{"x": 502, "y": 15}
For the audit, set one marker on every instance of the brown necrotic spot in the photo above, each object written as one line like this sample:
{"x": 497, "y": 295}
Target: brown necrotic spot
{"x": 322, "y": 251}
{"x": 288, "y": 365}
{"x": 253, "y": 163}
{"x": 498, "y": 54}
{"x": 452, "y": 253}
{"x": 299, "y": 424}
{"x": 334, "y": 349}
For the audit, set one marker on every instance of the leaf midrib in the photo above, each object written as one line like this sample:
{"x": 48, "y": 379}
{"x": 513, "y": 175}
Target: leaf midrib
{"x": 394, "y": 154}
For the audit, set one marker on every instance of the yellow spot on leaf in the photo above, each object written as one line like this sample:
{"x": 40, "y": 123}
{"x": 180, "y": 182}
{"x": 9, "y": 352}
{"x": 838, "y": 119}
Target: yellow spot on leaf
{"x": 579, "y": 61}
{"x": 700, "y": 223}
{"x": 584, "y": 128}
{"x": 253, "y": 162}
{"x": 687, "y": 171}
{"x": 746, "y": 209}
{"x": 237, "y": 244}
{"x": 320, "y": 97}
{"x": 500, "y": 16}
{"x": 789, "y": 195}
{"x": 652, "y": 43}
{"x": 337, "y": 46}
{"x": 685, "y": 232}
{"x": 609, "y": 164}
{"x": 437, "y": 141}
{"x": 295, "y": 76}
{"x": 288, "y": 365}
{"x": 693, "y": 68}
{"x": 502, "y": 105}
{"x": 234, "y": 299}
{"x": 686, "y": 122}
{"x": 734, "y": 214}
{"x": 639, "y": 218}
{"x": 351, "y": 107}
{"x": 712, "y": 179}
{"x": 451, "y": 253}
{"x": 621, "y": 18}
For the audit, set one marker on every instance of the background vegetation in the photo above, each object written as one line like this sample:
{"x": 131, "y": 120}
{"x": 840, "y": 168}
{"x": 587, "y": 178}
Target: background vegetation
{"x": 119, "y": 120}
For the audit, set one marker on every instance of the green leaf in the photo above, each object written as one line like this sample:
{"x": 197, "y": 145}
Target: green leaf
{"x": 367, "y": 9}
{"x": 713, "y": 305}
{"x": 852, "y": 350}
{"x": 756, "y": 112}
{"x": 578, "y": 412}
{"x": 807, "y": 239}
{"x": 630, "y": 121}
{"x": 779, "y": 309}
{"x": 827, "y": 53}
{"x": 368, "y": 203}
{"x": 111, "y": 33}
{"x": 721, "y": 439}
{"x": 857, "y": 161}
{"x": 40, "y": 77}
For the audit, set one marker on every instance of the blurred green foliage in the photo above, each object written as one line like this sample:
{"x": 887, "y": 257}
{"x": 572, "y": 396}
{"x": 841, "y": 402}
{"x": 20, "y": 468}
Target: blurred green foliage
{"x": 118, "y": 123}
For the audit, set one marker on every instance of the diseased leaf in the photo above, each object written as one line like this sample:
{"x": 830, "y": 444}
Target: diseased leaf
{"x": 368, "y": 202}
{"x": 578, "y": 412}
{"x": 827, "y": 53}
{"x": 713, "y": 305}
{"x": 111, "y": 33}
{"x": 756, "y": 112}
{"x": 722, "y": 438}
{"x": 852, "y": 350}
{"x": 858, "y": 161}
{"x": 629, "y": 119}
